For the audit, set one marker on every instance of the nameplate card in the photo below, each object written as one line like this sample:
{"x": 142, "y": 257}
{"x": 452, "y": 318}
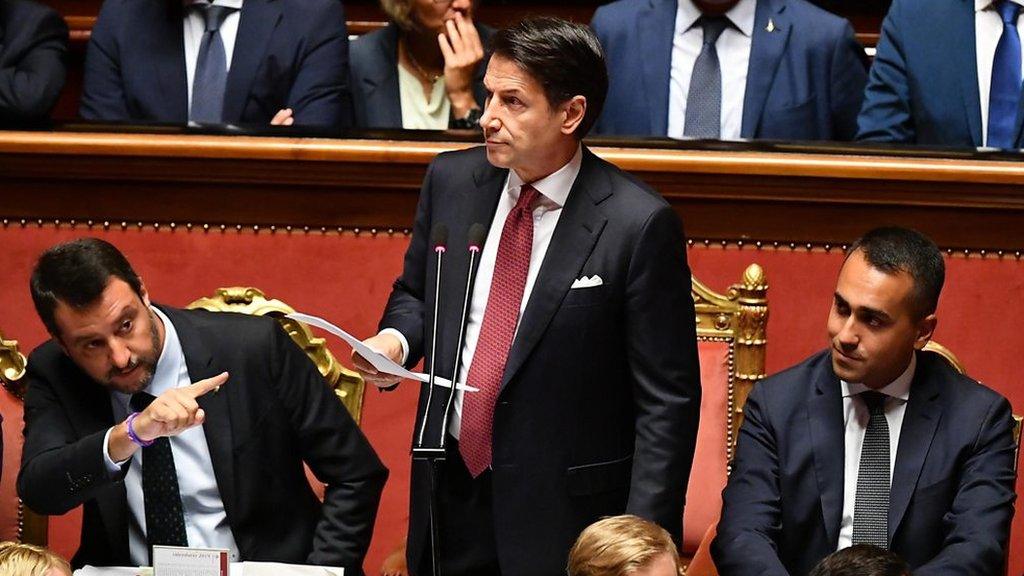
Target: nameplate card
{"x": 177, "y": 561}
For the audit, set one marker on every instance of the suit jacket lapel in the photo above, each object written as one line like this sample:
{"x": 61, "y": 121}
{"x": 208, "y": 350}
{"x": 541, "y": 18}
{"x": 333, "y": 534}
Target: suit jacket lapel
{"x": 383, "y": 102}
{"x": 164, "y": 34}
{"x": 256, "y": 25}
{"x": 962, "y": 56}
{"x": 217, "y": 427}
{"x": 825, "y": 412}
{"x": 655, "y": 27}
{"x": 578, "y": 229}
{"x": 766, "y": 50}
{"x": 919, "y": 423}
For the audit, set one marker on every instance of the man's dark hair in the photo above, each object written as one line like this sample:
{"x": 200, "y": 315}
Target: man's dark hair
{"x": 861, "y": 560}
{"x": 893, "y": 249}
{"x": 76, "y": 273}
{"x": 564, "y": 57}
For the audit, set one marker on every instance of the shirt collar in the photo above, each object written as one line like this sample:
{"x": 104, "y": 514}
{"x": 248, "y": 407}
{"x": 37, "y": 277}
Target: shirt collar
{"x": 555, "y": 187}
{"x": 982, "y": 5}
{"x": 741, "y": 15}
{"x": 898, "y": 388}
{"x": 236, "y": 4}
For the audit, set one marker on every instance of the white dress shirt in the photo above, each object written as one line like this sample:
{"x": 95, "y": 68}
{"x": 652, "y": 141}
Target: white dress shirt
{"x": 855, "y": 417}
{"x": 554, "y": 191}
{"x": 988, "y": 27}
{"x": 195, "y": 27}
{"x": 206, "y": 523}
{"x": 733, "y": 49}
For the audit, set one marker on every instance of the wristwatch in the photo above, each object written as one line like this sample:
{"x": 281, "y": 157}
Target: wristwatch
{"x": 470, "y": 121}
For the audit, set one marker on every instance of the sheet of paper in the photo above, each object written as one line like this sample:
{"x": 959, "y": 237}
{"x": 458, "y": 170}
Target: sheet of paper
{"x": 379, "y": 361}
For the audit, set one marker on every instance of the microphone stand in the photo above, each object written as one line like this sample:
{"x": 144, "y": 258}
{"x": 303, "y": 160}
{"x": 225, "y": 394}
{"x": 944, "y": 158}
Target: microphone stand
{"x": 434, "y": 456}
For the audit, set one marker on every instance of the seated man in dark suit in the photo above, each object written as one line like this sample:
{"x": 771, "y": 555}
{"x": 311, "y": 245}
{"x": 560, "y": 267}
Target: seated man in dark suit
{"x": 229, "y": 61}
{"x": 33, "y": 42}
{"x": 186, "y": 428}
{"x": 775, "y": 69}
{"x": 946, "y": 73}
{"x": 873, "y": 441}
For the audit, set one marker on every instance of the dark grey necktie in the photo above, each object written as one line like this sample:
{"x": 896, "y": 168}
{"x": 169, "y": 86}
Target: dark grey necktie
{"x": 165, "y": 522}
{"x": 211, "y": 68}
{"x": 704, "y": 100}
{"x": 871, "y": 507}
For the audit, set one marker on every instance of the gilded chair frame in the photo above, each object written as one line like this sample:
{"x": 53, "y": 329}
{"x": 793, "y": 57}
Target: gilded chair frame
{"x": 740, "y": 318}
{"x": 32, "y": 528}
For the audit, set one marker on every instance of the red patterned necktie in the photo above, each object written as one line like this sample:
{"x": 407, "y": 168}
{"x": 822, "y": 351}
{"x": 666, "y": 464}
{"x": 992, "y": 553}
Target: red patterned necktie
{"x": 499, "y": 326}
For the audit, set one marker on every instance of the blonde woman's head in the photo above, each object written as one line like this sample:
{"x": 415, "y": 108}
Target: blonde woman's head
{"x": 28, "y": 560}
{"x": 624, "y": 546}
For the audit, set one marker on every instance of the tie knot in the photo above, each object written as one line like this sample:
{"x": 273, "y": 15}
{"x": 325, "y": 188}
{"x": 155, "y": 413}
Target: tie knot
{"x": 713, "y": 27}
{"x": 141, "y": 400}
{"x": 1008, "y": 11}
{"x": 875, "y": 401}
{"x": 214, "y": 15}
{"x": 527, "y": 196}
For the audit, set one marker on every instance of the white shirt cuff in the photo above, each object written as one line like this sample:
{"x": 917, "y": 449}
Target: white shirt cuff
{"x": 112, "y": 467}
{"x": 401, "y": 340}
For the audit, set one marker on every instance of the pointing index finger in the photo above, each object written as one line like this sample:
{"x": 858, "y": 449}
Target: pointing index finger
{"x": 204, "y": 386}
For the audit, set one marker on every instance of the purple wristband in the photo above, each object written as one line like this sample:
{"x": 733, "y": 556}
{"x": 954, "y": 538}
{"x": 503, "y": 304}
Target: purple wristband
{"x": 131, "y": 433}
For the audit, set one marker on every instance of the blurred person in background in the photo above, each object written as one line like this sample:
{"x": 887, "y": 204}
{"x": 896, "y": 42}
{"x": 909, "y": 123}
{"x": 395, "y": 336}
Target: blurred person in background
{"x": 424, "y": 70}
{"x": 33, "y": 44}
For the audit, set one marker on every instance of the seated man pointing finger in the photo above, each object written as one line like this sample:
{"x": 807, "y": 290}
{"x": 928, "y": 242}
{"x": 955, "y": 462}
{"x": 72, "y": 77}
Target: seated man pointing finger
{"x": 184, "y": 428}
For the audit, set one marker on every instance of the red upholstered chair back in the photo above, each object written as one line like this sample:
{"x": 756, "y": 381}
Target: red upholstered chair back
{"x": 731, "y": 330}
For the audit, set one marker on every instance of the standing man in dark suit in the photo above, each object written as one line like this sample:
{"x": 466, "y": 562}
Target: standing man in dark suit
{"x": 580, "y": 337}
{"x": 226, "y": 61}
{"x": 33, "y": 43}
{"x": 776, "y": 69}
{"x": 114, "y": 421}
{"x": 947, "y": 73}
{"x": 873, "y": 441}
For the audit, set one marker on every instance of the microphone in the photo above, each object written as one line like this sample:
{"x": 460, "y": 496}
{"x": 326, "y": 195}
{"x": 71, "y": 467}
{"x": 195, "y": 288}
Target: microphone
{"x": 438, "y": 242}
{"x": 477, "y": 236}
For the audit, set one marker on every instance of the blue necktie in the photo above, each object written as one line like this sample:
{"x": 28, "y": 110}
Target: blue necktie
{"x": 704, "y": 100}
{"x": 211, "y": 68}
{"x": 1004, "y": 96}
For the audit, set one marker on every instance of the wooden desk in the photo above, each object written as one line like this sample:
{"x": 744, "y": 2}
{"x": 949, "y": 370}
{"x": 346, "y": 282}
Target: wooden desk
{"x": 789, "y": 197}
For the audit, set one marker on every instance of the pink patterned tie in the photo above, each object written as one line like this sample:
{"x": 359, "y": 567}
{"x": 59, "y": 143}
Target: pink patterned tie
{"x": 499, "y": 326}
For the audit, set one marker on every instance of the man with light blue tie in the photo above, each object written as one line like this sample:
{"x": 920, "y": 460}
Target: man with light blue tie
{"x": 773, "y": 69}
{"x": 221, "y": 61}
{"x": 947, "y": 73}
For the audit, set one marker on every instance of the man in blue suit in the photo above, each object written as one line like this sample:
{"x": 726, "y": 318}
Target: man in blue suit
{"x": 873, "y": 440}
{"x": 229, "y": 61}
{"x": 931, "y": 81}
{"x": 782, "y": 70}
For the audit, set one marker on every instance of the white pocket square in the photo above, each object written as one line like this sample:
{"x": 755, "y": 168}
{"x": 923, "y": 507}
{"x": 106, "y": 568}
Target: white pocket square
{"x": 587, "y": 282}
